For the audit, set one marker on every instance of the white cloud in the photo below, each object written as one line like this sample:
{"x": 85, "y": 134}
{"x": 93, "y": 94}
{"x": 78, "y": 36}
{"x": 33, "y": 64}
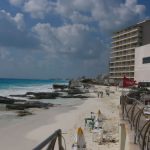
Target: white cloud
{"x": 77, "y": 17}
{"x": 70, "y": 46}
{"x": 76, "y": 40}
{"x": 17, "y": 20}
{"x": 83, "y": 5}
{"x": 38, "y": 8}
{"x": 111, "y": 16}
{"x": 64, "y": 9}
{"x": 108, "y": 14}
{"x": 67, "y": 39}
{"x": 49, "y": 41}
{"x": 4, "y": 53}
{"x": 13, "y": 32}
{"x": 16, "y": 2}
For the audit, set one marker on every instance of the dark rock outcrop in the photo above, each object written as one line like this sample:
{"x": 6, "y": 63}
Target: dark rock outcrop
{"x": 23, "y": 95}
{"x": 75, "y": 96}
{"x": 6, "y": 100}
{"x": 76, "y": 91}
{"x": 39, "y": 95}
{"x": 22, "y": 104}
{"x": 75, "y": 84}
{"x": 26, "y": 105}
{"x": 43, "y": 95}
{"x": 89, "y": 81}
{"x": 23, "y": 113}
{"x": 60, "y": 86}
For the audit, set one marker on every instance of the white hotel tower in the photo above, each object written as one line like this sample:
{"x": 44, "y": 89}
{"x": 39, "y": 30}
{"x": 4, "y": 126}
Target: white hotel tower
{"x": 124, "y": 42}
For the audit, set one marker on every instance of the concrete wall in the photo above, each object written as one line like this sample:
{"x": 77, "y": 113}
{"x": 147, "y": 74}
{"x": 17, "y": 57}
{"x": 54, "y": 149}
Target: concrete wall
{"x": 146, "y": 32}
{"x": 142, "y": 71}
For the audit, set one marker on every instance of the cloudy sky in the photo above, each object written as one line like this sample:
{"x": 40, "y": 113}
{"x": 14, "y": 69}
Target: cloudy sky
{"x": 62, "y": 38}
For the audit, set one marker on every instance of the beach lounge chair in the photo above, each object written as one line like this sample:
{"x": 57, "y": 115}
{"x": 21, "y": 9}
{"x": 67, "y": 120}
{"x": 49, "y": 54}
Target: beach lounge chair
{"x": 89, "y": 122}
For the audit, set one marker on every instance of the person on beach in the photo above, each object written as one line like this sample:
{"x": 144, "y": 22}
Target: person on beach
{"x": 101, "y": 94}
{"x": 98, "y": 94}
{"x": 107, "y": 92}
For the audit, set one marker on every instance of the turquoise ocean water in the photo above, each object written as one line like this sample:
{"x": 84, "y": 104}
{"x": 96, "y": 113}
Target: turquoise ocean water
{"x": 12, "y": 83}
{"x": 21, "y": 86}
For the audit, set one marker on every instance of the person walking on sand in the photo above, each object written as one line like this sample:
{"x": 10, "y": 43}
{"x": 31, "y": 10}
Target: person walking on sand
{"x": 101, "y": 94}
{"x": 107, "y": 92}
{"x": 98, "y": 94}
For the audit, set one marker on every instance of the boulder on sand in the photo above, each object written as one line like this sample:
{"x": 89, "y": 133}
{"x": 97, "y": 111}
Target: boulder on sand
{"x": 60, "y": 86}
{"x": 43, "y": 95}
{"x": 22, "y": 113}
{"x": 39, "y": 95}
{"x": 74, "y": 96}
{"x": 18, "y": 95}
{"x": 30, "y": 104}
{"x": 6, "y": 100}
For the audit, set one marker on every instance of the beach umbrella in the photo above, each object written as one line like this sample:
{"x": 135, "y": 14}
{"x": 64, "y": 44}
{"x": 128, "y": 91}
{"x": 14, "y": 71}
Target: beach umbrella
{"x": 98, "y": 120}
{"x": 79, "y": 141}
{"x": 99, "y": 116}
{"x": 98, "y": 130}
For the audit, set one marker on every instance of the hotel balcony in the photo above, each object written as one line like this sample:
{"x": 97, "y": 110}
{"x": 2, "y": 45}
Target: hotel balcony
{"x": 126, "y": 38}
{"x": 122, "y": 71}
{"x": 126, "y": 43}
{"x": 121, "y": 66}
{"x": 122, "y": 55}
{"x": 123, "y": 49}
{"x": 117, "y": 35}
{"x": 127, "y": 64}
{"x": 122, "y": 60}
{"x": 120, "y": 75}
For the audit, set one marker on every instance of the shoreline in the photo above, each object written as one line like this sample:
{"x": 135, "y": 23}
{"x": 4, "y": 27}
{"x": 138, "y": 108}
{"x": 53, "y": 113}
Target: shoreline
{"x": 32, "y": 130}
{"x": 14, "y": 135}
{"x": 16, "y": 130}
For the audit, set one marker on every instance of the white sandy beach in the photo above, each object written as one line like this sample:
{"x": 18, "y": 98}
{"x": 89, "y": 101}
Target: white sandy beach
{"x": 29, "y": 131}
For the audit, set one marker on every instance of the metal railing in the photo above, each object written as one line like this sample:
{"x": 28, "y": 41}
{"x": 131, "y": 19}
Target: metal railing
{"x": 50, "y": 142}
{"x": 133, "y": 111}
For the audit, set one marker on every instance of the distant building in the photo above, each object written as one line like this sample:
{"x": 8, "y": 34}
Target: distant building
{"x": 142, "y": 64}
{"x": 124, "y": 42}
{"x": 103, "y": 79}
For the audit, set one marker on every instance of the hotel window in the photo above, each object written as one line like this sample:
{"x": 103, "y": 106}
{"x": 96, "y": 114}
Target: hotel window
{"x": 146, "y": 60}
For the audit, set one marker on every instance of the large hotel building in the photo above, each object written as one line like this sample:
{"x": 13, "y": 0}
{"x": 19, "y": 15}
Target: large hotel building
{"x": 124, "y": 42}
